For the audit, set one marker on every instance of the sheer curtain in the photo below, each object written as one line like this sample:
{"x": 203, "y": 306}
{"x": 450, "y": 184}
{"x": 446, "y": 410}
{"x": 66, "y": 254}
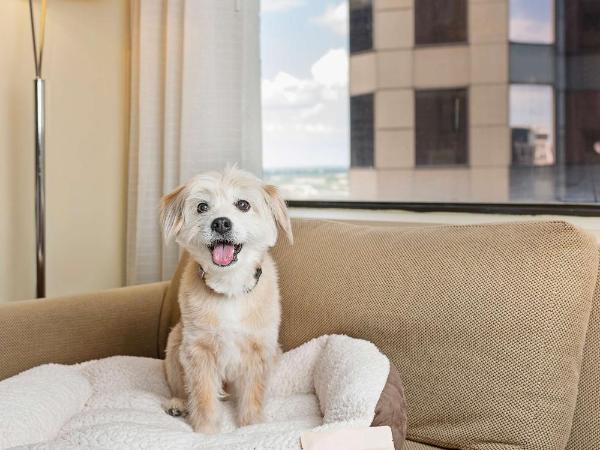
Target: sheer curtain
{"x": 195, "y": 106}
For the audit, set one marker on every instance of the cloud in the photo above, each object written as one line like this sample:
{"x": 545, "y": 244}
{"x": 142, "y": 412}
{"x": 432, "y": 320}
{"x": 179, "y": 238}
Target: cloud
{"x": 279, "y": 5}
{"x": 531, "y": 106}
{"x": 305, "y": 119}
{"x": 335, "y": 18}
{"x": 286, "y": 91}
{"x": 332, "y": 68}
{"x": 328, "y": 82}
{"x": 530, "y": 30}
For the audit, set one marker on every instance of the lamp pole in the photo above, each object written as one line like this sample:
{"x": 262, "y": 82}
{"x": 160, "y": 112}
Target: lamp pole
{"x": 40, "y": 151}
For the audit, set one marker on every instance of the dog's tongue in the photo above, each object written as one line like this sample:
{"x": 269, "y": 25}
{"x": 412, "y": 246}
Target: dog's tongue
{"x": 222, "y": 254}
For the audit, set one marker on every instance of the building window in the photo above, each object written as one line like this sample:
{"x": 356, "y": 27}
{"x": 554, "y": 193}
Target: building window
{"x": 532, "y": 125}
{"x": 440, "y": 21}
{"x": 583, "y": 26}
{"x": 441, "y": 127}
{"x": 532, "y": 21}
{"x": 361, "y": 130}
{"x": 361, "y": 25}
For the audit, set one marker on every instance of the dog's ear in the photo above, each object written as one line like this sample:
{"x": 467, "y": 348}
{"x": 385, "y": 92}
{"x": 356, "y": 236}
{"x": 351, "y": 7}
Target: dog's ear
{"x": 279, "y": 210}
{"x": 171, "y": 212}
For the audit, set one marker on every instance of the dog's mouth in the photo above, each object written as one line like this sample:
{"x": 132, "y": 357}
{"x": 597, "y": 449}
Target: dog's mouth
{"x": 224, "y": 253}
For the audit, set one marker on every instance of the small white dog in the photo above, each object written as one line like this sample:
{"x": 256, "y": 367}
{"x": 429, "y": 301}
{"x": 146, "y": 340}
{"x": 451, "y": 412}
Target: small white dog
{"x": 227, "y": 338}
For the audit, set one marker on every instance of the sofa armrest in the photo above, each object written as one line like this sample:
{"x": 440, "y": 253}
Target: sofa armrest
{"x": 78, "y": 328}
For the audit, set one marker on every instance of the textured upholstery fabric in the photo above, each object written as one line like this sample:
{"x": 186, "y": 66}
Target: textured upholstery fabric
{"x": 410, "y": 445}
{"x": 485, "y": 323}
{"x": 585, "y": 434}
{"x": 79, "y": 328}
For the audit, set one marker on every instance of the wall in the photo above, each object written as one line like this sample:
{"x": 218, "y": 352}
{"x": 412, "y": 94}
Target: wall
{"x": 86, "y": 66}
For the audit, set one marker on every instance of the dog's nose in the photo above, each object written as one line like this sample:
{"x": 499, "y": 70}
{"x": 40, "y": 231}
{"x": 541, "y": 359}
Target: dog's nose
{"x": 221, "y": 225}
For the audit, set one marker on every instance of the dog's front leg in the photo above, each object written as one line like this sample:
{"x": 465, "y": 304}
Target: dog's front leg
{"x": 202, "y": 384}
{"x": 251, "y": 385}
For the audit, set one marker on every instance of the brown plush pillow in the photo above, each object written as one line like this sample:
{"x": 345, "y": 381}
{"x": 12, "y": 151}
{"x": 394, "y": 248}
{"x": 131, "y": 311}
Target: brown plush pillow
{"x": 391, "y": 408}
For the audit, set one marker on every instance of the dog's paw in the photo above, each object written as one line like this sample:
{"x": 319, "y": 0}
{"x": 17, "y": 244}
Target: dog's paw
{"x": 175, "y": 407}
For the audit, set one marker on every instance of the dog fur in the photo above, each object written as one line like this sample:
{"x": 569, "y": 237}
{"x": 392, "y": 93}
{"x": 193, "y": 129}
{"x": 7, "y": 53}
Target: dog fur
{"x": 227, "y": 338}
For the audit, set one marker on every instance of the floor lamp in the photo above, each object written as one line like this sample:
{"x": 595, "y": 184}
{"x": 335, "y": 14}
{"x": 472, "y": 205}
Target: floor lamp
{"x": 40, "y": 144}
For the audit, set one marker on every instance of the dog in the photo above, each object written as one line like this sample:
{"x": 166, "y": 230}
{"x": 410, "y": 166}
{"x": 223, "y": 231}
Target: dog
{"x": 227, "y": 339}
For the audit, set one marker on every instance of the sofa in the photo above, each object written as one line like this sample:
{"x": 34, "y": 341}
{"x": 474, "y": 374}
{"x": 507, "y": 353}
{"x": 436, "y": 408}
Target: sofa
{"x": 494, "y": 329}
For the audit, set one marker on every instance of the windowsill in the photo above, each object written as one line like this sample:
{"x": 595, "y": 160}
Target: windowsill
{"x": 589, "y": 224}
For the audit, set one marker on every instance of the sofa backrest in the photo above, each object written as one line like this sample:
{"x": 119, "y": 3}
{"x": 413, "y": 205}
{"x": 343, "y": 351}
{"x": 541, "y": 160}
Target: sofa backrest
{"x": 585, "y": 433}
{"x": 337, "y": 279}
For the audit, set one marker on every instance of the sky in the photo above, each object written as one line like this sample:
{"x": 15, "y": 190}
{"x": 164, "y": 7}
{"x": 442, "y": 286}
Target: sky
{"x": 532, "y": 21}
{"x": 304, "y": 51}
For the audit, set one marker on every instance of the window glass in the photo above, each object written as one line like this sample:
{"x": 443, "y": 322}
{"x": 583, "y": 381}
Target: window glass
{"x": 440, "y": 21}
{"x": 532, "y": 21}
{"x": 305, "y": 101}
{"x": 361, "y": 130}
{"x": 361, "y": 24}
{"x": 583, "y": 21}
{"x": 441, "y": 127}
{"x": 532, "y": 125}
{"x": 503, "y": 109}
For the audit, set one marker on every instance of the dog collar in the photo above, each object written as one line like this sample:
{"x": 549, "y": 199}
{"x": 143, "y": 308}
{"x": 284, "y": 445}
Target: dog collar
{"x": 257, "y": 275}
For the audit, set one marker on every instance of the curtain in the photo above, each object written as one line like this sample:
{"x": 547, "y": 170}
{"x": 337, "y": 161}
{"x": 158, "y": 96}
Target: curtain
{"x": 195, "y": 106}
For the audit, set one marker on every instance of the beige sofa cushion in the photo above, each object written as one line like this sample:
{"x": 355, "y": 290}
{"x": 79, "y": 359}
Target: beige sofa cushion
{"x": 585, "y": 434}
{"x": 485, "y": 323}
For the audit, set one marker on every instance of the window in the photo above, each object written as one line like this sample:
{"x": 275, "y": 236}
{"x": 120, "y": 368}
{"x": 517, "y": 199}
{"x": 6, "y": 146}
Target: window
{"x": 361, "y": 131}
{"x": 426, "y": 101}
{"x": 440, "y": 21}
{"x": 583, "y": 18}
{"x": 532, "y": 125}
{"x": 361, "y": 25}
{"x": 441, "y": 127}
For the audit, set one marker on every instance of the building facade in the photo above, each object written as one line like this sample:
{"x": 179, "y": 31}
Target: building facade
{"x": 473, "y": 100}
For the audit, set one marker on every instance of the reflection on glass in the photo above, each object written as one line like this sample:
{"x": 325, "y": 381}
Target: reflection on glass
{"x": 440, "y": 21}
{"x": 532, "y": 21}
{"x": 361, "y": 25}
{"x": 532, "y": 125}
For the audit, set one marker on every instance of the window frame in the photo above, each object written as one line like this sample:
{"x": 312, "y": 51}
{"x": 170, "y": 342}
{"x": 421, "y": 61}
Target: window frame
{"x": 561, "y": 209}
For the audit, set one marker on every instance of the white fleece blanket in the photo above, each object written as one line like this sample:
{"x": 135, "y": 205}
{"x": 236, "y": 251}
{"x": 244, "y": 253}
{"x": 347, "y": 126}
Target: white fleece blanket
{"x": 115, "y": 403}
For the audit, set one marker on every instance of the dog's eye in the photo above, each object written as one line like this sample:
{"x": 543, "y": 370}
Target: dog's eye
{"x": 202, "y": 207}
{"x": 242, "y": 205}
